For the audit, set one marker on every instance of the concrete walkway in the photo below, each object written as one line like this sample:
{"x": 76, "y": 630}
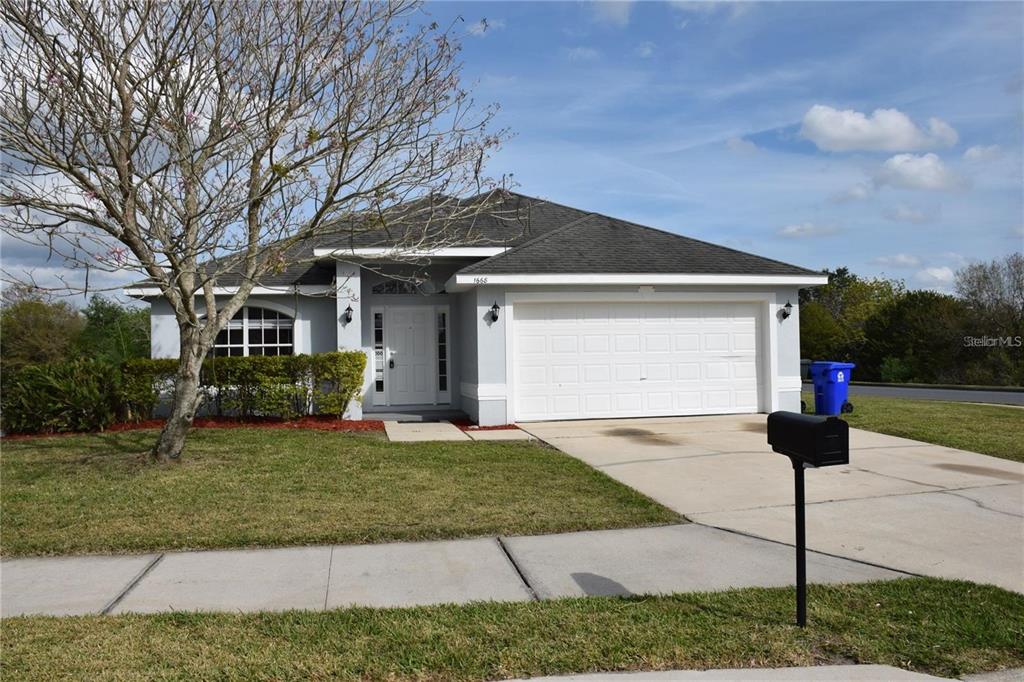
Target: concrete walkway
{"x": 679, "y": 558}
{"x": 903, "y": 504}
{"x": 852, "y": 673}
{"x": 859, "y": 673}
{"x": 418, "y": 432}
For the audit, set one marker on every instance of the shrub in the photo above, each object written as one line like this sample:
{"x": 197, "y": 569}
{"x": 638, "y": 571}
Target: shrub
{"x": 284, "y": 386}
{"x": 896, "y": 370}
{"x": 142, "y": 381}
{"x": 88, "y": 395}
{"x": 256, "y": 385}
{"x": 78, "y": 395}
{"x": 337, "y": 380}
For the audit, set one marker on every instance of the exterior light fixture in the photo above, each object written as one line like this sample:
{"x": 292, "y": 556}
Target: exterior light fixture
{"x": 787, "y": 310}
{"x": 494, "y": 311}
{"x": 348, "y": 314}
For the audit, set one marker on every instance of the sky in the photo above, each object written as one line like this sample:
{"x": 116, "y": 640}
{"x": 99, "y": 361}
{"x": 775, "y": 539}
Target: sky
{"x": 885, "y": 137}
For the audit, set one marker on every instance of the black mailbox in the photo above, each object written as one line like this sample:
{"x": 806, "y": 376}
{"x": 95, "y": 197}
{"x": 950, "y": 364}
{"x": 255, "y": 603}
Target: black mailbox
{"x": 815, "y": 441}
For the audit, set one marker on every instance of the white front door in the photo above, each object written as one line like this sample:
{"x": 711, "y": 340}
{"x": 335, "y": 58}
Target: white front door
{"x": 592, "y": 360}
{"x": 410, "y": 362}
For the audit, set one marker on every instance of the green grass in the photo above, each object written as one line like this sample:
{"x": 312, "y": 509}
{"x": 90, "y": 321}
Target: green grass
{"x": 934, "y": 626}
{"x": 265, "y": 487}
{"x": 989, "y": 429}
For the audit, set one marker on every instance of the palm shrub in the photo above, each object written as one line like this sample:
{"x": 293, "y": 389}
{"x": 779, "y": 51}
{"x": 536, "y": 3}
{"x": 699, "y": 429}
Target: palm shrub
{"x": 77, "y": 395}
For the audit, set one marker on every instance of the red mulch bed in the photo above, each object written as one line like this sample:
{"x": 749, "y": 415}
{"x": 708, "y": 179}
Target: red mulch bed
{"x": 467, "y": 425}
{"x": 316, "y": 422}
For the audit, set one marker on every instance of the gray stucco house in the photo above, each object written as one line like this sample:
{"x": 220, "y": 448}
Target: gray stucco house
{"x": 559, "y": 314}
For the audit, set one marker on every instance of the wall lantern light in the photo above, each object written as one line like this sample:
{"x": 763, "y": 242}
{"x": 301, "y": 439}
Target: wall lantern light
{"x": 348, "y": 314}
{"x": 787, "y": 310}
{"x": 494, "y": 311}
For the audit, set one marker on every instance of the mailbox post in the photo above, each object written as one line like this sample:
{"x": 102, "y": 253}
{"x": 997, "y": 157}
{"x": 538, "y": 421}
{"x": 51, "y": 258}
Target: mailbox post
{"x": 810, "y": 442}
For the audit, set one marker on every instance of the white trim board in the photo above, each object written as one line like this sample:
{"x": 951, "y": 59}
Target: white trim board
{"x": 482, "y": 391}
{"x": 450, "y": 252}
{"x": 303, "y": 289}
{"x": 462, "y": 282}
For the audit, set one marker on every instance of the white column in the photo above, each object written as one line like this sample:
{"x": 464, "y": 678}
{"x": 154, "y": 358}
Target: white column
{"x": 350, "y": 333}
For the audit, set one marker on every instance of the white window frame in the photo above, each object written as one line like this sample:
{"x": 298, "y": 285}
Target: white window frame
{"x": 245, "y": 345}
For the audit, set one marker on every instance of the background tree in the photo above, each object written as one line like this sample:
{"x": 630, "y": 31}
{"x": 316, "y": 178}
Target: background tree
{"x": 34, "y": 330}
{"x": 850, "y": 301}
{"x": 113, "y": 332}
{"x": 918, "y": 337}
{"x": 157, "y": 137}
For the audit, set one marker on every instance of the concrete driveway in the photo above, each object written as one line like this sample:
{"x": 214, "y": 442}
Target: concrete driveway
{"x": 900, "y": 503}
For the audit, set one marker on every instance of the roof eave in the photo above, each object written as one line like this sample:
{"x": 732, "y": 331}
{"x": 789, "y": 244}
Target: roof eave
{"x": 463, "y": 282}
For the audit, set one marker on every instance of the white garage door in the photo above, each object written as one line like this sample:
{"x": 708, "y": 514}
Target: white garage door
{"x": 586, "y": 360}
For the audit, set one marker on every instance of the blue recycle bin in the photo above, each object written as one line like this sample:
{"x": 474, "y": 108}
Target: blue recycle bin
{"x": 831, "y": 387}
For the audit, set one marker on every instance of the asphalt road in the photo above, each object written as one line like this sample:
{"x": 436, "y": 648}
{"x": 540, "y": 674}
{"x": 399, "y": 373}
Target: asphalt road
{"x": 994, "y": 397}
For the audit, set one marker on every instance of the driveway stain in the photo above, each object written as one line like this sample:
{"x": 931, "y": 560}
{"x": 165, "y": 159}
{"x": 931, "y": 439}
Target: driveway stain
{"x": 644, "y": 436}
{"x": 980, "y": 471}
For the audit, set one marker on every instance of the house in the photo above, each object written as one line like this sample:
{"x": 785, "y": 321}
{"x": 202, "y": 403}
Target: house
{"x": 559, "y": 314}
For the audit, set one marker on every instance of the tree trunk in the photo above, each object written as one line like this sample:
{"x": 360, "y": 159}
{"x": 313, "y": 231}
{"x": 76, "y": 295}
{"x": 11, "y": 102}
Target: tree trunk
{"x": 171, "y": 442}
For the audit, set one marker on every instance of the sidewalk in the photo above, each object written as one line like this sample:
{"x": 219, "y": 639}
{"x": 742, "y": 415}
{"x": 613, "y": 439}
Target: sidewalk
{"x": 860, "y": 673}
{"x": 678, "y": 558}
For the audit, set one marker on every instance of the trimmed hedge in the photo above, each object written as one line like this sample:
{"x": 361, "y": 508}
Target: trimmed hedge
{"x": 89, "y": 396}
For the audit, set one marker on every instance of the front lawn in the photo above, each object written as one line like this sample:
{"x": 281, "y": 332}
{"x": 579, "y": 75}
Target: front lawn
{"x": 989, "y": 429}
{"x": 264, "y": 487}
{"x": 941, "y": 627}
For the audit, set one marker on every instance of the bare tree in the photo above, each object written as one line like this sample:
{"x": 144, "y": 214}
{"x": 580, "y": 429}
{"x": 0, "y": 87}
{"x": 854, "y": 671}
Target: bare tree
{"x": 995, "y": 290}
{"x": 185, "y": 140}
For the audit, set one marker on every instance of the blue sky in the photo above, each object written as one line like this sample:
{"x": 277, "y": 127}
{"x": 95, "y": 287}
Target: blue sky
{"x": 755, "y": 125}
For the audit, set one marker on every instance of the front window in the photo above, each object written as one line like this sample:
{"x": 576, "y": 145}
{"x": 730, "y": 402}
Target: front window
{"x": 256, "y": 331}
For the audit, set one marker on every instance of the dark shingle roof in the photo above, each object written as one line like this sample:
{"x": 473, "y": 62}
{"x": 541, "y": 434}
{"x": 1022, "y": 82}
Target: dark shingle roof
{"x": 599, "y": 244}
{"x": 543, "y": 237}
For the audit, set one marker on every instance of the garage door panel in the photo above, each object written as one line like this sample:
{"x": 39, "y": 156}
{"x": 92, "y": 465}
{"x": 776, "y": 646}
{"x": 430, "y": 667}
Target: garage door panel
{"x": 716, "y": 342}
{"x": 578, "y": 360}
{"x": 529, "y": 344}
{"x": 659, "y": 372}
{"x": 744, "y": 341}
{"x": 659, "y": 402}
{"x": 597, "y": 374}
{"x": 628, "y": 372}
{"x": 627, "y": 343}
{"x": 657, "y": 343}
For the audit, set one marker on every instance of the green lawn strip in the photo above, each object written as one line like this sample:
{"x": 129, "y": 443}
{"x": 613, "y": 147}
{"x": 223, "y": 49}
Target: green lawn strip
{"x": 267, "y": 487}
{"x": 941, "y": 627}
{"x": 989, "y": 429}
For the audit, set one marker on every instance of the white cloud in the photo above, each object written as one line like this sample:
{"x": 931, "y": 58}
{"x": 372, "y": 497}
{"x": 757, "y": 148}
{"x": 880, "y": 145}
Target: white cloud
{"x": 582, "y": 54}
{"x": 858, "y": 192}
{"x": 645, "y": 49}
{"x": 733, "y": 10}
{"x": 613, "y": 12}
{"x": 899, "y": 260}
{"x": 884, "y": 130}
{"x": 979, "y": 153}
{"x": 485, "y": 26}
{"x": 807, "y": 229}
{"x": 901, "y": 213}
{"x": 739, "y": 145}
{"x": 912, "y": 171}
{"x": 939, "y": 277}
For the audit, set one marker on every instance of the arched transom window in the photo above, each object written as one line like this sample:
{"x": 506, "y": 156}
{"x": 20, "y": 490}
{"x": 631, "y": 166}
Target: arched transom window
{"x": 256, "y": 331}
